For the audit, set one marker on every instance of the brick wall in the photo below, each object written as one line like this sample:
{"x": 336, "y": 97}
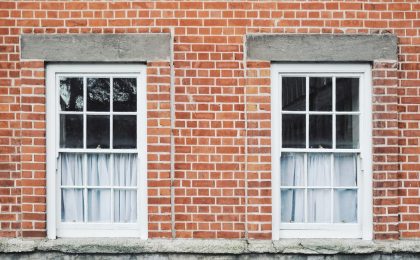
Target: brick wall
{"x": 221, "y": 179}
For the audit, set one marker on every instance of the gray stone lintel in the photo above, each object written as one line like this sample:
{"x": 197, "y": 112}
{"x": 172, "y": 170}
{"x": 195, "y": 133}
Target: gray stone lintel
{"x": 321, "y": 47}
{"x": 205, "y": 246}
{"x": 96, "y": 47}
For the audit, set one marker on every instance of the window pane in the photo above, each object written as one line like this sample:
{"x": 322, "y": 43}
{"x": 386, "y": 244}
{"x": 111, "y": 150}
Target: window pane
{"x": 97, "y": 132}
{"x": 99, "y": 205}
{"x": 293, "y": 131}
{"x": 347, "y": 127}
{"x": 320, "y": 94}
{"x": 125, "y": 132}
{"x": 345, "y": 170}
{"x": 71, "y": 94}
{"x": 319, "y": 169}
{"x": 292, "y": 169}
{"x": 125, "y": 206}
{"x": 125, "y": 94}
{"x": 347, "y": 94}
{"x": 71, "y": 134}
{"x": 320, "y": 131}
{"x": 98, "y": 169}
{"x": 71, "y": 169}
{"x": 292, "y": 205}
{"x": 293, "y": 93}
{"x": 319, "y": 205}
{"x": 72, "y": 205}
{"x": 345, "y": 206}
{"x": 98, "y": 94}
{"x": 125, "y": 170}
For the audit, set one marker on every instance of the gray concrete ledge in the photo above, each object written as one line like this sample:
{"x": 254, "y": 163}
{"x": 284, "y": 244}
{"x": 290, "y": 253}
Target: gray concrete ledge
{"x": 96, "y": 47}
{"x": 232, "y": 247}
{"x": 321, "y": 47}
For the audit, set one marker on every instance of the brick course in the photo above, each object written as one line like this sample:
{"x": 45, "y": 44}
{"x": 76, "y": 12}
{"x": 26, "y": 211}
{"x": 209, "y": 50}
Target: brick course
{"x": 221, "y": 133}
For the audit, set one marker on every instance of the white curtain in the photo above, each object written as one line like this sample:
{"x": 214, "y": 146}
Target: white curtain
{"x": 98, "y": 205}
{"x": 125, "y": 174}
{"x": 345, "y": 200}
{"x": 125, "y": 170}
{"x": 319, "y": 186}
{"x": 319, "y": 169}
{"x": 345, "y": 205}
{"x": 319, "y": 200}
{"x": 319, "y": 205}
{"x": 292, "y": 169}
{"x": 293, "y": 205}
{"x": 71, "y": 198}
{"x": 292, "y": 200}
{"x": 99, "y": 198}
{"x": 98, "y": 169}
{"x": 345, "y": 173}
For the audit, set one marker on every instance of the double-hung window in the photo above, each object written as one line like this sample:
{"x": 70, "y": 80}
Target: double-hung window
{"x": 96, "y": 150}
{"x": 321, "y": 139}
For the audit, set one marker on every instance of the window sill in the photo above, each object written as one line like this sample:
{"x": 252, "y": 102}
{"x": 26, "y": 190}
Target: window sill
{"x": 199, "y": 246}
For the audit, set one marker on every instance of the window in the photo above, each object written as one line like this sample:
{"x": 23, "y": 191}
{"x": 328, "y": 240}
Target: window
{"x": 321, "y": 155}
{"x": 96, "y": 131}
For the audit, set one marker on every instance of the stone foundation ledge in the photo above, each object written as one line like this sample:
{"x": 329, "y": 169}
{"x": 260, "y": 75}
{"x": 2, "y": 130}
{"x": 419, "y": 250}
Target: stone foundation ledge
{"x": 201, "y": 246}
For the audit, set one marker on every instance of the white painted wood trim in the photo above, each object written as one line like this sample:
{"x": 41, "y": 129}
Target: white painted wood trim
{"x": 51, "y": 154}
{"x": 275, "y": 153}
{"x": 365, "y": 136}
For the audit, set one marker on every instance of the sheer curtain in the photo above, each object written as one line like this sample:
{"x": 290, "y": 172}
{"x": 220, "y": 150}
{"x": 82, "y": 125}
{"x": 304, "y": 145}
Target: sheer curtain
{"x": 125, "y": 174}
{"x": 319, "y": 175}
{"x": 99, "y": 187}
{"x": 292, "y": 200}
{"x": 319, "y": 187}
{"x": 99, "y": 206}
{"x": 72, "y": 209}
{"x": 345, "y": 200}
{"x": 345, "y": 166}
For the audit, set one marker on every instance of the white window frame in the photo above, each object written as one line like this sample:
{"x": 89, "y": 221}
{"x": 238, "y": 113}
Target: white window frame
{"x": 364, "y": 228}
{"x": 54, "y": 226}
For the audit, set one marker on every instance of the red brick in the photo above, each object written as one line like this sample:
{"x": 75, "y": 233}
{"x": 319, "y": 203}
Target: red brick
{"x": 210, "y": 120}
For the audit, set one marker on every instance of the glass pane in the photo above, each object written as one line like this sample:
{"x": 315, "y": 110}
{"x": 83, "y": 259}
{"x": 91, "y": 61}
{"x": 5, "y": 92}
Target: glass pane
{"x": 125, "y": 206}
{"x": 72, "y": 205}
{"x": 98, "y": 169}
{"x": 320, "y": 131}
{"x": 292, "y": 205}
{"x": 125, "y": 94}
{"x": 320, "y": 94}
{"x": 97, "y": 132}
{"x": 71, "y": 131}
{"x": 71, "y": 169}
{"x": 99, "y": 205}
{"x": 345, "y": 170}
{"x": 347, "y": 127}
{"x": 293, "y": 131}
{"x": 71, "y": 94}
{"x": 125, "y": 170}
{"x": 347, "y": 94}
{"x": 293, "y": 93}
{"x": 319, "y": 169}
{"x": 98, "y": 94}
{"x": 125, "y": 132}
{"x": 292, "y": 169}
{"x": 345, "y": 206}
{"x": 319, "y": 205}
